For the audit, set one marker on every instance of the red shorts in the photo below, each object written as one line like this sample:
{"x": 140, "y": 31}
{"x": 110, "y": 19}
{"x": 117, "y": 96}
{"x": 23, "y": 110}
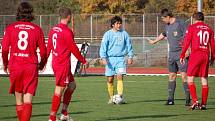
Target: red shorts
{"x": 23, "y": 78}
{"x": 198, "y": 64}
{"x": 63, "y": 75}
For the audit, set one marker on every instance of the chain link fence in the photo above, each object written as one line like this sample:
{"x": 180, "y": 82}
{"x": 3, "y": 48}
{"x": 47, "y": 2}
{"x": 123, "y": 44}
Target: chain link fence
{"x": 91, "y": 27}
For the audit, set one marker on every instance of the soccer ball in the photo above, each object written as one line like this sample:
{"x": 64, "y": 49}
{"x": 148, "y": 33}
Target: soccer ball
{"x": 117, "y": 99}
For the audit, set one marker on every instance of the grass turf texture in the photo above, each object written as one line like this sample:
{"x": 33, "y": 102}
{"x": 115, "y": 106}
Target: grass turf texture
{"x": 145, "y": 97}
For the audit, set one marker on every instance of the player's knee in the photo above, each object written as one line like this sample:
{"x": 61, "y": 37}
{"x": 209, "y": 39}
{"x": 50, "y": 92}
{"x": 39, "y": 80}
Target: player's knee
{"x": 72, "y": 86}
{"x": 59, "y": 90}
{"x": 110, "y": 81}
{"x": 172, "y": 76}
{"x": 184, "y": 79}
{"x": 27, "y": 98}
{"x": 204, "y": 81}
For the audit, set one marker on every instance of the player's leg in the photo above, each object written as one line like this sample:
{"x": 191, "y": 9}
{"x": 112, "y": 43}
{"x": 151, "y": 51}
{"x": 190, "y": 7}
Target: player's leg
{"x": 27, "y": 107}
{"x": 27, "y": 84}
{"x": 171, "y": 88}
{"x": 120, "y": 70}
{"x": 203, "y": 71}
{"x": 15, "y": 88}
{"x": 205, "y": 88}
{"x": 192, "y": 87}
{"x": 183, "y": 70}
{"x": 173, "y": 69}
{"x": 56, "y": 99}
{"x": 186, "y": 88}
{"x": 110, "y": 88}
{"x": 120, "y": 84}
{"x": 120, "y": 87}
{"x": 66, "y": 100}
{"x": 19, "y": 104}
{"x": 109, "y": 73}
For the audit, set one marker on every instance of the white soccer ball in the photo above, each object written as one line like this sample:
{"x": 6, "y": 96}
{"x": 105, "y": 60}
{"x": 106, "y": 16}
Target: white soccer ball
{"x": 117, "y": 99}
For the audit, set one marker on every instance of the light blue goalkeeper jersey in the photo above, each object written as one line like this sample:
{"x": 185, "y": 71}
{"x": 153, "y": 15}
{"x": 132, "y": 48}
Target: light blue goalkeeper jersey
{"x": 116, "y": 44}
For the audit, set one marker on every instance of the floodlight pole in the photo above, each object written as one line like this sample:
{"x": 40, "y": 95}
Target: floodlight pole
{"x": 199, "y": 5}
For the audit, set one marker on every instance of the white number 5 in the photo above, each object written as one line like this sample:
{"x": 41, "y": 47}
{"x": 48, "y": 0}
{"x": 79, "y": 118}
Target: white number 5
{"x": 22, "y": 39}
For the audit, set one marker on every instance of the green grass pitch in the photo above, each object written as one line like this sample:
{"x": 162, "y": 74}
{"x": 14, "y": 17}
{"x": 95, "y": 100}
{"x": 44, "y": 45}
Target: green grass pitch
{"x": 145, "y": 97}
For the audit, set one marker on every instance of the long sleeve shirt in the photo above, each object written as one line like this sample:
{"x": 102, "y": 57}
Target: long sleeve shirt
{"x": 22, "y": 39}
{"x": 116, "y": 44}
{"x": 61, "y": 43}
{"x": 201, "y": 38}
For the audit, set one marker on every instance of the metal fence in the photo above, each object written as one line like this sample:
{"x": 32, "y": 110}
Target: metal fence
{"x": 91, "y": 27}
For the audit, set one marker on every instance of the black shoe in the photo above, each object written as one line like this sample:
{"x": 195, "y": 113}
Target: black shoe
{"x": 203, "y": 107}
{"x": 170, "y": 102}
{"x": 187, "y": 103}
{"x": 194, "y": 106}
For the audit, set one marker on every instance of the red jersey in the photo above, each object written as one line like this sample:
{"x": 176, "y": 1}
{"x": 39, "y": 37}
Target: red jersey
{"x": 22, "y": 40}
{"x": 61, "y": 42}
{"x": 201, "y": 38}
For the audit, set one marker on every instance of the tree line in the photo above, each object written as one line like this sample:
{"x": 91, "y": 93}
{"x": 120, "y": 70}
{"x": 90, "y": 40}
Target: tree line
{"x": 109, "y": 6}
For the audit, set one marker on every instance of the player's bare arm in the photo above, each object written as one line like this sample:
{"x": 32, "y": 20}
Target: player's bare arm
{"x": 159, "y": 38}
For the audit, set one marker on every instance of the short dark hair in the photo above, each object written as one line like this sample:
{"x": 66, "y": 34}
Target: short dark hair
{"x": 114, "y": 20}
{"x": 165, "y": 12}
{"x": 24, "y": 12}
{"x": 198, "y": 16}
{"x": 64, "y": 12}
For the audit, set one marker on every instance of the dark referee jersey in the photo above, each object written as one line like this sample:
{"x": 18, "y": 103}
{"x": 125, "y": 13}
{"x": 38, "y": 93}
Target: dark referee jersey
{"x": 175, "y": 33}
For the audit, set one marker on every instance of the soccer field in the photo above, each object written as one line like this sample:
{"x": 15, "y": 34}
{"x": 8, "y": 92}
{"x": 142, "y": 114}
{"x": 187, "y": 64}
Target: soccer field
{"x": 145, "y": 97}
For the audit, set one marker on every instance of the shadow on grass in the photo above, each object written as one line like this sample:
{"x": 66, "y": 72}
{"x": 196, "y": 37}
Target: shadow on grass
{"x": 42, "y": 103}
{"x": 161, "y": 100}
{"x": 141, "y": 101}
{"x": 72, "y": 113}
{"x": 211, "y": 103}
{"x": 139, "y": 117}
{"x": 5, "y": 118}
{"x": 41, "y": 115}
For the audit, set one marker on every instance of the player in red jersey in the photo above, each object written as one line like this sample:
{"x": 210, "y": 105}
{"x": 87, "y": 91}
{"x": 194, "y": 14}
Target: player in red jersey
{"x": 21, "y": 39}
{"x": 201, "y": 38}
{"x": 61, "y": 43}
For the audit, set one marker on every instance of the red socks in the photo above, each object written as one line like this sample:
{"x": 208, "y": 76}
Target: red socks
{"x": 192, "y": 88}
{"x": 56, "y": 100}
{"x": 55, "y": 106}
{"x": 66, "y": 100}
{"x": 19, "y": 109}
{"x": 205, "y": 89}
{"x": 26, "y": 112}
{"x": 204, "y": 94}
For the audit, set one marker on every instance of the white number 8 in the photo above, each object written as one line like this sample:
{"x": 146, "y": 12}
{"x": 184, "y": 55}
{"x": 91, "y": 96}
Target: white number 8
{"x": 23, "y": 39}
